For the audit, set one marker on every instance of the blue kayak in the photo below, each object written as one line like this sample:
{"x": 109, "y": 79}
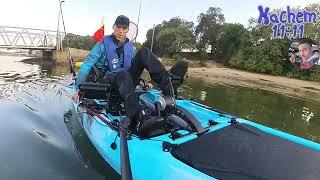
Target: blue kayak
{"x": 199, "y": 142}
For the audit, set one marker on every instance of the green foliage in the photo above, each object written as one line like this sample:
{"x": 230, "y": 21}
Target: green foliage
{"x": 79, "y": 42}
{"x": 315, "y": 74}
{"x": 176, "y": 57}
{"x": 182, "y": 33}
{"x": 312, "y": 30}
{"x": 231, "y": 39}
{"x": 238, "y": 59}
{"x": 267, "y": 57}
{"x": 210, "y": 24}
{"x": 138, "y": 46}
{"x": 204, "y": 56}
{"x": 148, "y": 41}
{"x": 172, "y": 40}
{"x": 176, "y": 22}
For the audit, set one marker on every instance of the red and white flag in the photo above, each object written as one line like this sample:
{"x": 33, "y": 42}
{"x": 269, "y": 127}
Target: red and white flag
{"x": 99, "y": 34}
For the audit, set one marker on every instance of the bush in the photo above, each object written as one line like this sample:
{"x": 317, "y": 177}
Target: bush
{"x": 232, "y": 38}
{"x": 176, "y": 57}
{"x": 315, "y": 74}
{"x": 237, "y": 60}
{"x": 264, "y": 58}
{"x": 79, "y": 42}
{"x": 204, "y": 56}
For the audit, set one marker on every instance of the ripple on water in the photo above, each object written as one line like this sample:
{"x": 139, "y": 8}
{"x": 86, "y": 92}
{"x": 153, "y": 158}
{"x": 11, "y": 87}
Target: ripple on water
{"x": 35, "y": 141}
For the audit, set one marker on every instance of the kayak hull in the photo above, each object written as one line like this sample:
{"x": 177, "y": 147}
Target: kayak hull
{"x": 143, "y": 153}
{"x": 147, "y": 157}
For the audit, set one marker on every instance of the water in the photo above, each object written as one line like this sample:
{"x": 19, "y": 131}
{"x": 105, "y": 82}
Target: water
{"x": 296, "y": 116}
{"x": 42, "y": 139}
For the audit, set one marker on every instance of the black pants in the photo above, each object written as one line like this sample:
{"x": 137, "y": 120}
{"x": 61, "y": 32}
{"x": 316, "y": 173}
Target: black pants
{"x": 125, "y": 82}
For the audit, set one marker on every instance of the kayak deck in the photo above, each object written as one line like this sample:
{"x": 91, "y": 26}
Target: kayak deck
{"x": 241, "y": 151}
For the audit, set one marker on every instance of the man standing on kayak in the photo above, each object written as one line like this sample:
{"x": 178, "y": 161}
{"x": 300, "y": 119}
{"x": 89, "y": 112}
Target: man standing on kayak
{"x": 124, "y": 67}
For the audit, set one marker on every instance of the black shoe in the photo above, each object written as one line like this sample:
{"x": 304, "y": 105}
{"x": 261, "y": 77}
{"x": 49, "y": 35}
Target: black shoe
{"x": 180, "y": 68}
{"x": 177, "y": 73}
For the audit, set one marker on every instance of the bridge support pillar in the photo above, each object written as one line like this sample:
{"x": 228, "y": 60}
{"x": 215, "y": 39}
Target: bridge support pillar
{"x": 60, "y": 56}
{"x": 47, "y": 55}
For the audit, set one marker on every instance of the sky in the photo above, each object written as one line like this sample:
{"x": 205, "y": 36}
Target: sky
{"x": 84, "y": 17}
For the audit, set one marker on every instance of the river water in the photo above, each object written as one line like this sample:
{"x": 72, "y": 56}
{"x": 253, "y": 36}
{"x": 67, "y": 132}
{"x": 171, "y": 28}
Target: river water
{"x": 42, "y": 139}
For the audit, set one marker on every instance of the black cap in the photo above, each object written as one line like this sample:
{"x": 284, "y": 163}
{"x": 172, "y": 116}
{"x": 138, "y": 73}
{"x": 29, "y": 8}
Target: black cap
{"x": 122, "y": 21}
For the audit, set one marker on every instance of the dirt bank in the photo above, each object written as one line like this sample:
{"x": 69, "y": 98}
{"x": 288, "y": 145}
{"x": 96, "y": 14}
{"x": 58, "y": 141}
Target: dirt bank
{"x": 219, "y": 74}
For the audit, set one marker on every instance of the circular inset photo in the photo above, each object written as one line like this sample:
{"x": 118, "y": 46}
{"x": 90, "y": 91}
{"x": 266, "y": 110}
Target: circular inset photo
{"x": 304, "y": 53}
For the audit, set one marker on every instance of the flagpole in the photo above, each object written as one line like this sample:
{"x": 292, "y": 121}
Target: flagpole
{"x": 152, "y": 37}
{"x": 58, "y": 43}
{"x": 138, "y": 18}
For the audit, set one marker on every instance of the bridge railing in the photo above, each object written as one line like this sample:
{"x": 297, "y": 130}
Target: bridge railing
{"x": 29, "y": 38}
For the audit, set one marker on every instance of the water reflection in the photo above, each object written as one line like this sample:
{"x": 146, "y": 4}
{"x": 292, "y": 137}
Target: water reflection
{"x": 296, "y": 116}
{"x": 203, "y": 95}
{"x": 89, "y": 154}
{"x": 306, "y": 115}
{"x": 35, "y": 141}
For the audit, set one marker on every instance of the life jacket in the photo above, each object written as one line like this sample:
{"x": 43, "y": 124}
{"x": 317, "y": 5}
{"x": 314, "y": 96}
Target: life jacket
{"x": 113, "y": 61}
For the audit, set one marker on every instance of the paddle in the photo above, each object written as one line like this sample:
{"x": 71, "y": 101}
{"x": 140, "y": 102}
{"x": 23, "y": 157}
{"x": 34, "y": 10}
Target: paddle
{"x": 126, "y": 173}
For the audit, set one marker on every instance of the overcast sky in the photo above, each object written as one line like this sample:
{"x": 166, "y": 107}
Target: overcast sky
{"x": 84, "y": 17}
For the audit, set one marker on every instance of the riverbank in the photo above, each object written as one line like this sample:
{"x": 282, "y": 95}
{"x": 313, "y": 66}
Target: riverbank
{"x": 215, "y": 73}
{"x": 218, "y": 74}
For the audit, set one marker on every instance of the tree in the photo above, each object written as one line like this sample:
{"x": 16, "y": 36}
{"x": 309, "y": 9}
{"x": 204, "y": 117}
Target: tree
{"x": 148, "y": 41}
{"x": 172, "y": 40}
{"x": 138, "y": 46}
{"x": 209, "y": 26}
{"x": 177, "y": 22}
{"x": 313, "y": 30}
{"x": 79, "y": 42}
{"x": 173, "y": 35}
{"x": 231, "y": 39}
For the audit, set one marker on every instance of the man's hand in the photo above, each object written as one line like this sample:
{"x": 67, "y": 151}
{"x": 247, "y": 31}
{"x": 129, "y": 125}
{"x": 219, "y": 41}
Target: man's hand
{"x": 75, "y": 96}
{"x": 148, "y": 86}
{"x": 293, "y": 59}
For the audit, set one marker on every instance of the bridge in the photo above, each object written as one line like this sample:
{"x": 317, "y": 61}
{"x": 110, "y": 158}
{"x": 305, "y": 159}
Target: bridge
{"x": 48, "y": 41}
{"x": 29, "y": 38}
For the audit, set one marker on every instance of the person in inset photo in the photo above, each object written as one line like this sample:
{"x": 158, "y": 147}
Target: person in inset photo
{"x": 308, "y": 52}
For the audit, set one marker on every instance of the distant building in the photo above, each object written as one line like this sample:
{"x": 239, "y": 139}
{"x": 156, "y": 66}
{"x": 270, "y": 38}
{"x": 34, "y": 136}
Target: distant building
{"x": 208, "y": 50}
